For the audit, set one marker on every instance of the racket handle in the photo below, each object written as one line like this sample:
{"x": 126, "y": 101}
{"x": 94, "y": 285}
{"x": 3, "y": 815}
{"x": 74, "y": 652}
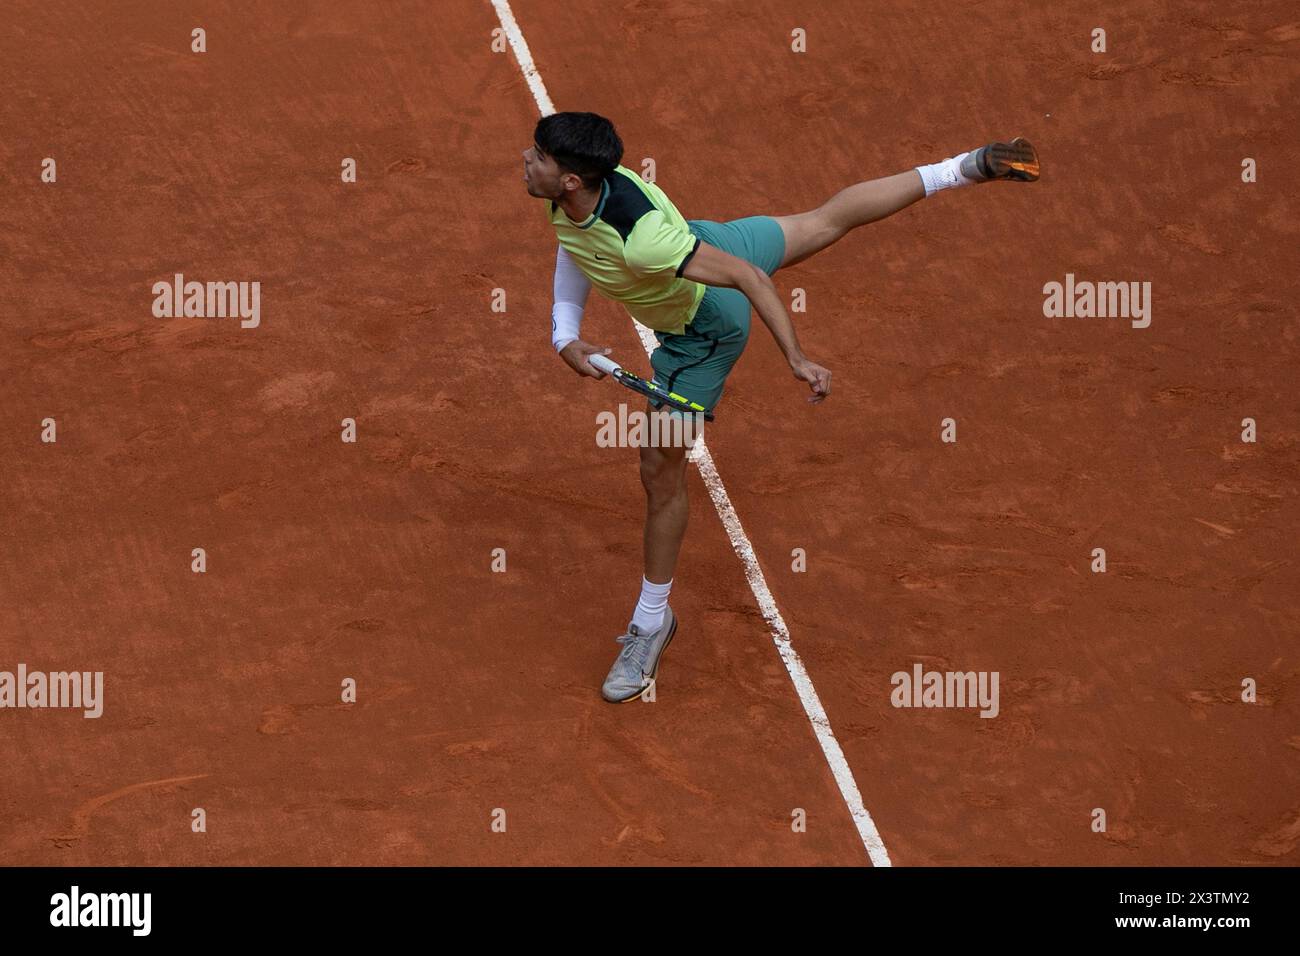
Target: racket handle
{"x": 604, "y": 363}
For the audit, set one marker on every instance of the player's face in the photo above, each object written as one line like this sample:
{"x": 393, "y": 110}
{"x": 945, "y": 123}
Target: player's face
{"x": 541, "y": 174}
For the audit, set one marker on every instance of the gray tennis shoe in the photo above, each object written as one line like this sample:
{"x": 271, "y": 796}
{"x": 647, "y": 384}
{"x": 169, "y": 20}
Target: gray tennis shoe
{"x": 637, "y": 665}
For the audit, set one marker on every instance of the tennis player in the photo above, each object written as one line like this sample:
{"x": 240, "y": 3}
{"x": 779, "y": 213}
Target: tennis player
{"x": 694, "y": 282}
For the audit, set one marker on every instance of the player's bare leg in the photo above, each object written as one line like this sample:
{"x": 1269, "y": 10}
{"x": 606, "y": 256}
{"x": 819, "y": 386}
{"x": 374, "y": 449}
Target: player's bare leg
{"x": 663, "y": 475}
{"x": 808, "y": 233}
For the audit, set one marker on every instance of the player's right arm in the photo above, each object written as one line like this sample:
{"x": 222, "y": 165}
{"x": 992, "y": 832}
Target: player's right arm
{"x": 571, "y": 289}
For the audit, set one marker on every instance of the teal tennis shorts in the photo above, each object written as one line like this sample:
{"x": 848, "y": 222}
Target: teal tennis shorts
{"x": 696, "y": 363}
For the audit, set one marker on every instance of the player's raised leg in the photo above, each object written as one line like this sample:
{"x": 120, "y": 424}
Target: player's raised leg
{"x": 810, "y": 232}
{"x": 807, "y": 233}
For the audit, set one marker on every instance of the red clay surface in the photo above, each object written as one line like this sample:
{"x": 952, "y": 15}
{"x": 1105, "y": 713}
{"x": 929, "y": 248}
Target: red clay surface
{"x": 372, "y": 560}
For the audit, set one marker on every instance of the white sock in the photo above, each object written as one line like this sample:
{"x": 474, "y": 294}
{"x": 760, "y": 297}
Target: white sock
{"x": 649, "y": 614}
{"x": 944, "y": 175}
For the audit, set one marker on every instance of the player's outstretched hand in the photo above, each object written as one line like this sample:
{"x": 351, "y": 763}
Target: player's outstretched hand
{"x": 575, "y": 356}
{"x": 818, "y": 378}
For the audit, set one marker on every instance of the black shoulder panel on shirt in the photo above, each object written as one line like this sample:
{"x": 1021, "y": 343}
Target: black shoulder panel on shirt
{"x": 625, "y": 205}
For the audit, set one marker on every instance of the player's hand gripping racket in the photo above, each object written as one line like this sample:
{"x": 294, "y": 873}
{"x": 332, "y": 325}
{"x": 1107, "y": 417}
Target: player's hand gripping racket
{"x": 649, "y": 389}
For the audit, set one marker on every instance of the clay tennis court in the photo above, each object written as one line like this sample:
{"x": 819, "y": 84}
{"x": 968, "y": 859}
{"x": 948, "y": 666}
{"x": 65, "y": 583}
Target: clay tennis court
{"x": 479, "y": 690}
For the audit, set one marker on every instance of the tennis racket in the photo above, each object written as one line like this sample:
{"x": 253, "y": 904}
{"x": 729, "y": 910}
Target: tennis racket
{"x": 649, "y": 389}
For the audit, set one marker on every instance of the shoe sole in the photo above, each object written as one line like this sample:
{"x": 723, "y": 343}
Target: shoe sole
{"x": 1016, "y": 160}
{"x": 654, "y": 674}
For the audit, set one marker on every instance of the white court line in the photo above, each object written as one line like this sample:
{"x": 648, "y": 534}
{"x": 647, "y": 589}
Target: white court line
{"x": 522, "y": 54}
{"x": 803, "y": 684}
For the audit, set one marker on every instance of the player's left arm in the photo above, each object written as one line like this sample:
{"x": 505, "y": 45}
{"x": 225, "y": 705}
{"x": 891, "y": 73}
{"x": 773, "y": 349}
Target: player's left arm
{"x": 711, "y": 266}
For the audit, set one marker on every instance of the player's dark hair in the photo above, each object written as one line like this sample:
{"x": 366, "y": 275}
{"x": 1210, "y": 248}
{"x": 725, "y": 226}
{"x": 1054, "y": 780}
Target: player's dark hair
{"x": 581, "y": 143}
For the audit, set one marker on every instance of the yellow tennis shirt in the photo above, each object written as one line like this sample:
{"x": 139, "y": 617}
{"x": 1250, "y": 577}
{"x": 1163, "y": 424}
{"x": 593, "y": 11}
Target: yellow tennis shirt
{"x": 633, "y": 247}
